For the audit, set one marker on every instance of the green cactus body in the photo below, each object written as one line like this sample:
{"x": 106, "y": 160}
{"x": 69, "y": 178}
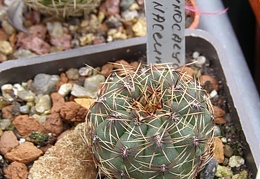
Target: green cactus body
{"x": 63, "y": 8}
{"x": 155, "y": 122}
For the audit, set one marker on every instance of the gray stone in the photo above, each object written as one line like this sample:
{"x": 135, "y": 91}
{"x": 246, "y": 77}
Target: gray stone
{"x": 210, "y": 169}
{"x": 25, "y": 109}
{"x": 129, "y": 15}
{"x": 80, "y": 91}
{"x": 25, "y": 95}
{"x": 23, "y": 53}
{"x": 92, "y": 83}
{"x": 72, "y": 74}
{"x": 228, "y": 151}
{"x": 55, "y": 29}
{"x": 44, "y": 83}
{"x": 85, "y": 71}
{"x": 125, "y": 4}
{"x": 5, "y": 123}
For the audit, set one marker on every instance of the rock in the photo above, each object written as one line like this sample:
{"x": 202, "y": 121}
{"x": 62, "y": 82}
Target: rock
{"x": 236, "y": 161}
{"x": 219, "y": 150}
{"x": 87, "y": 39}
{"x": 3, "y": 35}
{"x": 228, "y": 151}
{"x": 209, "y": 170}
{"x": 3, "y": 102}
{"x": 34, "y": 44}
{"x": 7, "y": 92}
{"x": 63, "y": 42}
{"x": 25, "y": 125}
{"x": 3, "y": 58}
{"x": 24, "y": 153}
{"x": 139, "y": 28}
{"x": 11, "y": 111}
{"x": 72, "y": 74}
{"x": 26, "y": 95}
{"x": 223, "y": 171}
{"x": 23, "y": 53}
{"x": 200, "y": 61}
{"x": 16, "y": 170}
{"x": 63, "y": 79}
{"x": 44, "y": 83}
{"x": 81, "y": 92}
{"x": 55, "y": 29}
{"x": 69, "y": 158}
{"x": 242, "y": 175}
{"x": 54, "y": 124}
{"x": 110, "y": 7}
{"x": 187, "y": 70}
{"x": 6, "y": 48}
{"x": 73, "y": 112}
{"x": 218, "y": 112}
{"x": 5, "y": 124}
{"x": 43, "y": 103}
{"x": 8, "y": 28}
{"x": 8, "y": 141}
{"x": 92, "y": 83}
{"x": 38, "y": 30}
{"x": 57, "y": 102}
{"x": 125, "y": 4}
{"x": 208, "y": 82}
{"x": 220, "y": 120}
{"x": 25, "y": 109}
{"x": 65, "y": 89}
{"x": 85, "y": 71}
{"x": 85, "y": 102}
{"x": 107, "y": 69}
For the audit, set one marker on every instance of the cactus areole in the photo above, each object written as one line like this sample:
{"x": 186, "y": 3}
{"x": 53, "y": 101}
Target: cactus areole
{"x": 154, "y": 122}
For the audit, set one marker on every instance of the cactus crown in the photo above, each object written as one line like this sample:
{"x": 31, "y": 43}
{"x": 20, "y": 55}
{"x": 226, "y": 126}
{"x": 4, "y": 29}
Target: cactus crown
{"x": 155, "y": 122}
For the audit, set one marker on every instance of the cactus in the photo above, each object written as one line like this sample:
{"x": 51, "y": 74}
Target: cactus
{"x": 63, "y": 8}
{"x": 155, "y": 122}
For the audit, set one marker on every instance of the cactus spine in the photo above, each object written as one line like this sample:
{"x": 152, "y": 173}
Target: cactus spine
{"x": 155, "y": 122}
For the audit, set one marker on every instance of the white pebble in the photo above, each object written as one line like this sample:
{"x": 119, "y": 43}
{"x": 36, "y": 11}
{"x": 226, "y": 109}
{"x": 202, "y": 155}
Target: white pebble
{"x": 236, "y": 161}
{"x": 65, "y": 89}
{"x": 224, "y": 139}
{"x": 195, "y": 54}
{"x": 213, "y": 94}
{"x": 200, "y": 61}
{"x": 21, "y": 140}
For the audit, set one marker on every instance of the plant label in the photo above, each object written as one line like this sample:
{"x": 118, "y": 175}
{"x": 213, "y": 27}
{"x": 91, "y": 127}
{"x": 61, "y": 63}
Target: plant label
{"x": 165, "y": 31}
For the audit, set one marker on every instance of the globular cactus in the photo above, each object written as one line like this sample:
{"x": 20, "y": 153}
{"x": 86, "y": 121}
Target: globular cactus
{"x": 63, "y": 8}
{"x": 155, "y": 122}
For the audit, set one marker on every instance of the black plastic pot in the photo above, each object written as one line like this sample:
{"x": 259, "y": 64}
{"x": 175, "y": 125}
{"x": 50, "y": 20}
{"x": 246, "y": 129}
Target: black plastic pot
{"x": 133, "y": 49}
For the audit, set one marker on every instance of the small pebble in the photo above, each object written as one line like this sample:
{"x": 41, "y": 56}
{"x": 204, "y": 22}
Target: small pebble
{"x": 200, "y": 61}
{"x": 7, "y": 92}
{"x": 228, "y": 151}
{"x": 5, "y": 123}
{"x": 65, "y": 89}
{"x": 195, "y": 54}
{"x": 223, "y": 171}
{"x": 55, "y": 29}
{"x": 85, "y": 71}
{"x": 44, "y": 83}
{"x": 24, "y": 109}
{"x": 92, "y": 83}
{"x": 210, "y": 169}
{"x": 213, "y": 94}
{"x": 72, "y": 74}
{"x": 43, "y": 103}
{"x": 79, "y": 91}
{"x": 236, "y": 161}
